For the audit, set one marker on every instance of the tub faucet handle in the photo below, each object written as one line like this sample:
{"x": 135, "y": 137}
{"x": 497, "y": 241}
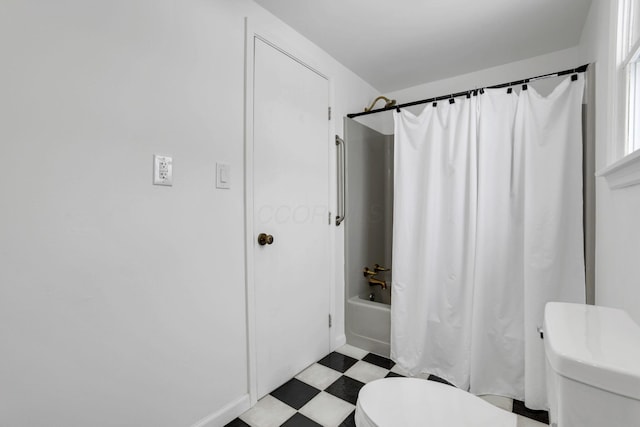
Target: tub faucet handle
{"x": 368, "y": 273}
{"x": 378, "y": 268}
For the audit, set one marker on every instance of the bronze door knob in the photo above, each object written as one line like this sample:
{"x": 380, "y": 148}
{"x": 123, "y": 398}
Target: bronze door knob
{"x": 265, "y": 239}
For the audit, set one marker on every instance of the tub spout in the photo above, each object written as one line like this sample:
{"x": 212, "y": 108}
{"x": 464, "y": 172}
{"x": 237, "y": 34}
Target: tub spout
{"x": 375, "y": 282}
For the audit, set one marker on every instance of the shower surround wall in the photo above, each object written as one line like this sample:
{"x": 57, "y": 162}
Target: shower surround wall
{"x": 368, "y": 235}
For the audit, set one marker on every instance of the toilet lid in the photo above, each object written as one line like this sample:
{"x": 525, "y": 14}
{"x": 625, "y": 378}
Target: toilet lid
{"x": 407, "y": 402}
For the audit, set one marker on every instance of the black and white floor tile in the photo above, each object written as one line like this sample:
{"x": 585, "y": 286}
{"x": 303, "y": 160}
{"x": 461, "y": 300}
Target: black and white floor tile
{"x": 326, "y": 392}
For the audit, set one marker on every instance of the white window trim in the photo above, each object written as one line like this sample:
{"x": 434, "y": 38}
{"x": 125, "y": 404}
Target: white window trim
{"x": 625, "y": 171}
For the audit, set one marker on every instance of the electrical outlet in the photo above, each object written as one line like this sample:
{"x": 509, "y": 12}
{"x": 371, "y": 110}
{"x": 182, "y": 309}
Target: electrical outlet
{"x": 162, "y": 170}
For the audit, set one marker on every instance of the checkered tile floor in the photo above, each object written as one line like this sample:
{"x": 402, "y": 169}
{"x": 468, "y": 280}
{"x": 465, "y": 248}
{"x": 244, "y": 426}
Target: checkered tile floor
{"x": 325, "y": 394}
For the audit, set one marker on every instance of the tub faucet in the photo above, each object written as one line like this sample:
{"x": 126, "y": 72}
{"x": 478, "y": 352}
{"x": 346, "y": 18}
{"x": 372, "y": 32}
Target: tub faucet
{"x": 368, "y": 273}
{"x": 378, "y": 268}
{"x": 374, "y": 282}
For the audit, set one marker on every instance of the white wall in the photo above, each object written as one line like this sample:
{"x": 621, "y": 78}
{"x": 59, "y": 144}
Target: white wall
{"x": 123, "y": 303}
{"x": 617, "y": 219}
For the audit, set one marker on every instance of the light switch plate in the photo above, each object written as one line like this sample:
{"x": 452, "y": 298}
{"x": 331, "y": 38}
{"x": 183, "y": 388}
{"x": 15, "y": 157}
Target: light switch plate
{"x": 162, "y": 170}
{"x": 223, "y": 176}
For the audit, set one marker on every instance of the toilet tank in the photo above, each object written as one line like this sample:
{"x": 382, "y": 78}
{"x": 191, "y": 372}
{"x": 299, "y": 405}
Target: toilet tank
{"x": 593, "y": 366}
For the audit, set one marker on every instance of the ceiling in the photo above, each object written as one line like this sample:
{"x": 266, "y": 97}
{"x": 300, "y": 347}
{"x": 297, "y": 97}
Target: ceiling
{"x": 395, "y": 44}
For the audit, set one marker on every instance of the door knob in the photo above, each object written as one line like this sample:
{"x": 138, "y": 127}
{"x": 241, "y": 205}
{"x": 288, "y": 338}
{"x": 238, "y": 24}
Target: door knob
{"x": 265, "y": 239}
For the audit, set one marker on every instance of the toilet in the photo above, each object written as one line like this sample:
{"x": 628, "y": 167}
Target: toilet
{"x": 592, "y": 371}
{"x": 413, "y": 402}
{"x": 593, "y": 366}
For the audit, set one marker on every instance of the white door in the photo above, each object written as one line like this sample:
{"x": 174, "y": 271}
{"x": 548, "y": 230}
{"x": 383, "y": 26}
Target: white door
{"x": 290, "y": 182}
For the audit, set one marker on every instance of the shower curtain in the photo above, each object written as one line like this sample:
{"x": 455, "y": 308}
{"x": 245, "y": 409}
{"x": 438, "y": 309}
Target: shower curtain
{"x": 434, "y": 239}
{"x": 487, "y": 229}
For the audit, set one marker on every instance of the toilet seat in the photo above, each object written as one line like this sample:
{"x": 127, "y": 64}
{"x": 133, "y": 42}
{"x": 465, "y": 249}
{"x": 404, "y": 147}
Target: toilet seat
{"x": 409, "y": 402}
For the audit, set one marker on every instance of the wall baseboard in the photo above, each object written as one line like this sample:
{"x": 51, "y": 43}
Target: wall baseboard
{"x": 226, "y": 414}
{"x": 339, "y": 341}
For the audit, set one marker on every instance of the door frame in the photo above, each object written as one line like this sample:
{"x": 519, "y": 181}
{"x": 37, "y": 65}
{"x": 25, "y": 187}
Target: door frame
{"x": 280, "y": 43}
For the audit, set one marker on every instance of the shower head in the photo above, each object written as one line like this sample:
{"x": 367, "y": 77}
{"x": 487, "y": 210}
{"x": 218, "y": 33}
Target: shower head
{"x": 388, "y": 103}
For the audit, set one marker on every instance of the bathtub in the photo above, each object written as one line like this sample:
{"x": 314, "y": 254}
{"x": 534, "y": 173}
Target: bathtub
{"x": 368, "y": 325}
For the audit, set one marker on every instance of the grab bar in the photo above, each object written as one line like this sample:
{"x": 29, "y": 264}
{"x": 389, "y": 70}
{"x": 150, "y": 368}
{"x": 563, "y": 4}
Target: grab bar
{"x": 341, "y": 181}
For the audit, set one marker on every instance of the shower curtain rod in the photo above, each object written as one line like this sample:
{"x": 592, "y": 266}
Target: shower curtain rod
{"x": 473, "y": 92}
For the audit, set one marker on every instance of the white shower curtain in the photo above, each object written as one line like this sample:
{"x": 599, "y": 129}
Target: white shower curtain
{"x": 434, "y": 239}
{"x": 487, "y": 229}
{"x": 549, "y": 135}
{"x": 497, "y": 351}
